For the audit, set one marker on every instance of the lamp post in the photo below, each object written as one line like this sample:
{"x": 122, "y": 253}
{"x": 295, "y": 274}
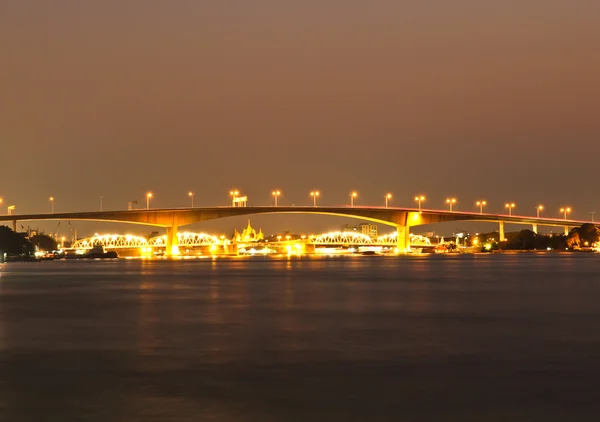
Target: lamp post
{"x": 481, "y": 204}
{"x": 101, "y": 203}
{"x": 51, "y": 199}
{"x": 387, "y": 198}
{"x": 419, "y": 199}
{"x": 538, "y": 209}
{"x": 314, "y": 195}
{"x": 191, "y": 195}
{"x": 352, "y": 196}
{"x": 450, "y": 201}
{"x": 149, "y": 195}
{"x": 276, "y": 194}
{"x": 234, "y": 194}
{"x": 510, "y": 207}
{"x": 10, "y": 209}
{"x": 565, "y": 211}
{"x": 592, "y": 214}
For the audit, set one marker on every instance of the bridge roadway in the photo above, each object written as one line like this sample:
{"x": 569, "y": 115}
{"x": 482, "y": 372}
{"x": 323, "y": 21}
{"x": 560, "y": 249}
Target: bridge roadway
{"x": 401, "y": 218}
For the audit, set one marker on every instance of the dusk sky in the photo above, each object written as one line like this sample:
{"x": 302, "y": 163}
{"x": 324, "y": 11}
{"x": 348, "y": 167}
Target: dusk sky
{"x": 495, "y": 100}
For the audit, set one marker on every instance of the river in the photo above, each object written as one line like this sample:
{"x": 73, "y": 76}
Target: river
{"x": 486, "y": 337}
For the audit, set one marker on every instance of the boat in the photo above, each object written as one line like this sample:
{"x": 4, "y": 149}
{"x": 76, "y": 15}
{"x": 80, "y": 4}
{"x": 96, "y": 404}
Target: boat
{"x": 98, "y": 252}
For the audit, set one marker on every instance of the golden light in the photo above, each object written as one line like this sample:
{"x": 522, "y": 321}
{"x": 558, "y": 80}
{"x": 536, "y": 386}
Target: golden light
{"x": 276, "y": 193}
{"x": 388, "y": 196}
{"x": 451, "y": 201}
{"x": 540, "y": 207}
{"x": 234, "y": 193}
{"x": 51, "y": 198}
{"x": 190, "y": 193}
{"x": 149, "y": 195}
{"x": 354, "y": 194}
{"x": 478, "y": 203}
{"x": 315, "y": 193}
{"x": 419, "y": 198}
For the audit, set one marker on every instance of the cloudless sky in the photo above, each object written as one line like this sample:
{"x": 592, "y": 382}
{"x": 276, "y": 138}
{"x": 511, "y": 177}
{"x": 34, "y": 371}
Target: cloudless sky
{"x": 466, "y": 98}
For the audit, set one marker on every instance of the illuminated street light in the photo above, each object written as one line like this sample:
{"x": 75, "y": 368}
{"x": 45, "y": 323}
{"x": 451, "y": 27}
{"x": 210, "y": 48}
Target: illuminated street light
{"x": 352, "y": 196}
{"x": 10, "y": 209}
{"x": 51, "y": 199}
{"x": 314, "y": 195}
{"x": 450, "y": 201}
{"x": 538, "y": 209}
{"x": 387, "y": 198}
{"x": 481, "y": 204}
{"x": 276, "y": 194}
{"x": 565, "y": 211}
{"x": 148, "y": 197}
{"x": 510, "y": 207}
{"x": 191, "y": 195}
{"x": 1, "y": 201}
{"x": 234, "y": 194}
{"x": 419, "y": 199}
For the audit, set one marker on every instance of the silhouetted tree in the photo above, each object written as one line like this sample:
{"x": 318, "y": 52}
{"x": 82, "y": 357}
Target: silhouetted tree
{"x": 44, "y": 242}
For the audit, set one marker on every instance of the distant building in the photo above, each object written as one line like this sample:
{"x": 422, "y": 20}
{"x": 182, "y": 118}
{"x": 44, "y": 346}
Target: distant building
{"x": 248, "y": 235}
{"x": 368, "y": 229}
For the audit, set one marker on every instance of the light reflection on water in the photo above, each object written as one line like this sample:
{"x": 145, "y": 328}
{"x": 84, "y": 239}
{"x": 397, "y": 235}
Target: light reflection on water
{"x": 480, "y": 337}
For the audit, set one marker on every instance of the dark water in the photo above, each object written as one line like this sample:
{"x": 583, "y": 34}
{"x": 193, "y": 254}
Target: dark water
{"x": 438, "y": 338}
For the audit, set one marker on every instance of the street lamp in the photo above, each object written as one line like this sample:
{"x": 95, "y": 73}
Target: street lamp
{"x": 234, "y": 194}
{"x": 510, "y": 207}
{"x": 1, "y": 201}
{"x": 276, "y": 194}
{"x": 101, "y": 203}
{"x": 387, "y": 198}
{"x": 51, "y": 199}
{"x": 565, "y": 211}
{"x": 591, "y": 213}
{"x": 314, "y": 195}
{"x": 10, "y": 209}
{"x": 352, "y": 196}
{"x": 450, "y": 201}
{"x": 419, "y": 199}
{"x": 191, "y": 195}
{"x": 481, "y": 204}
{"x": 148, "y": 197}
{"x": 538, "y": 209}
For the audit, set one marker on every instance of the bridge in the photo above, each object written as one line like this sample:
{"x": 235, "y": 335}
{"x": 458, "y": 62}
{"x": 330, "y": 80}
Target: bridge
{"x": 188, "y": 239}
{"x": 401, "y": 218}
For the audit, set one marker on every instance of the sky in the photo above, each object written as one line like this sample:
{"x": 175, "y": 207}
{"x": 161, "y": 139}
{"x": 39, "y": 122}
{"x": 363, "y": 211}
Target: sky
{"x": 468, "y": 99}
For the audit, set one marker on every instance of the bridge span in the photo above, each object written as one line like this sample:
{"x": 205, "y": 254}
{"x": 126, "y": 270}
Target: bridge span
{"x": 400, "y": 218}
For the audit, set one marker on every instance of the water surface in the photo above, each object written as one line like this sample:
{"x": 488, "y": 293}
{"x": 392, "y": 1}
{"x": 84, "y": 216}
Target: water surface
{"x": 465, "y": 338}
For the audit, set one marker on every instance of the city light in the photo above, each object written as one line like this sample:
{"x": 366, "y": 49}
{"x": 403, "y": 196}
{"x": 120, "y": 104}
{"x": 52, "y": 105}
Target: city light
{"x": 510, "y": 207}
{"x": 352, "y": 196}
{"x": 191, "y": 195}
{"x": 451, "y": 202}
{"x": 10, "y": 209}
{"x": 276, "y": 194}
{"x": 419, "y": 199}
{"x": 481, "y": 204}
{"x": 565, "y": 211}
{"x": 233, "y": 194}
{"x": 314, "y": 195}
{"x": 148, "y": 197}
{"x": 51, "y": 199}
{"x": 387, "y": 198}
{"x": 538, "y": 209}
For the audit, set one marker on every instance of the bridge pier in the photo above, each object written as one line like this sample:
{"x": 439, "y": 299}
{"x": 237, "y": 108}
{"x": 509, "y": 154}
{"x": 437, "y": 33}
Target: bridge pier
{"x": 534, "y": 228}
{"x": 403, "y": 239}
{"x": 501, "y": 237}
{"x": 172, "y": 248}
{"x": 14, "y": 225}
